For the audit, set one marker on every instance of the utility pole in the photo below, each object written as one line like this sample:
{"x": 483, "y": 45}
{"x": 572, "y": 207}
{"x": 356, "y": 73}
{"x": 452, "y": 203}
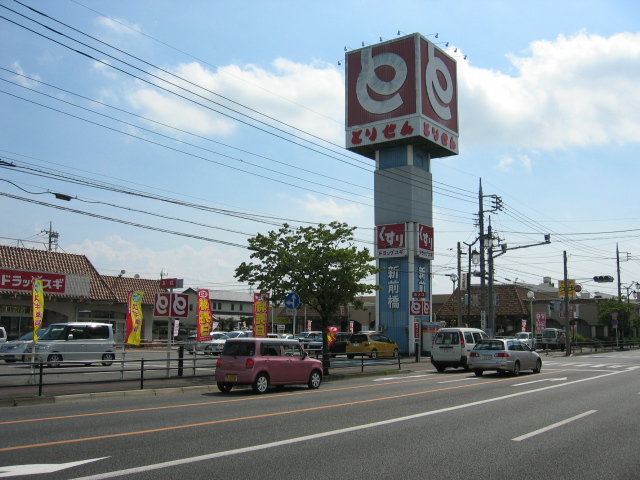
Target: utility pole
{"x": 482, "y": 265}
{"x": 459, "y": 286}
{"x": 567, "y": 319}
{"x": 53, "y": 237}
{"x": 492, "y": 301}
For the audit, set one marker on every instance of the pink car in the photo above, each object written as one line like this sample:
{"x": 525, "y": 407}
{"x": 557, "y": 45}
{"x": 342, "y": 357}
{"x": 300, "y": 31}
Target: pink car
{"x": 261, "y": 362}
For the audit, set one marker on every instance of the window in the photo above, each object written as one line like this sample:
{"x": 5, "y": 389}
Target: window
{"x": 271, "y": 349}
{"x": 76, "y": 332}
{"x": 232, "y": 306}
{"x": 241, "y": 307}
{"x": 448, "y": 338}
{"x": 291, "y": 350}
{"x": 97, "y": 332}
{"x": 239, "y": 349}
{"x": 468, "y": 337}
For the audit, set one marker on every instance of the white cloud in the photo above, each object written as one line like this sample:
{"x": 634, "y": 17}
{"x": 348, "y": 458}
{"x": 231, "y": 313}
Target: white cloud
{"x": 326, "y": 210}
{"x": 574, "y": 91}
{"x": 23, "y": 80}
{"x": 209, "y": 264}
{"x": 306, "y": 96}
{"x": 178, "y": 113}
{"x": 118, "y": 26}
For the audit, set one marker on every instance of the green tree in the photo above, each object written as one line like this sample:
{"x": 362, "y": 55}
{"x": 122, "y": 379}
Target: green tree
{"x": 320, "y": 263}
{"x": 623, "y": 309}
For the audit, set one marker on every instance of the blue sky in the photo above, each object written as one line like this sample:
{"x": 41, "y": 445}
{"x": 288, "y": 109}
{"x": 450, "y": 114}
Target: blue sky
{"x": 549, "y": 119}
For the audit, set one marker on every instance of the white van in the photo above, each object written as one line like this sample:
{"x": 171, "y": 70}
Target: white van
{"x": 3, "y": 335}
{"x": 451, "y": 347}
{"x": 82, "y": 342}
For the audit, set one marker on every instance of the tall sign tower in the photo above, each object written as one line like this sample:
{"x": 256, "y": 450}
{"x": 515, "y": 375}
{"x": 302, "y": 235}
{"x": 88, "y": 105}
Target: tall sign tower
{"x": 402, "y": 111}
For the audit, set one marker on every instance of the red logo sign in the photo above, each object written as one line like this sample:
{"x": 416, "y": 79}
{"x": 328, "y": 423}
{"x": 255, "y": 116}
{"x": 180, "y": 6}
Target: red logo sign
{"x": 169, "y": 283}
{"x": 420, "y": 307}
{"x": 22, "y": 280}
{"x": 388, "y": 100}
{"x": 425, "y": 242}
{"x": 171, "y": 305}
{"x": 392, "y": 240}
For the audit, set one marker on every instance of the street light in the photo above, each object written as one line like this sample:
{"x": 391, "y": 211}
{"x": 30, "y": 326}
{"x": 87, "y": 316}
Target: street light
{"x": 532, "y": 296}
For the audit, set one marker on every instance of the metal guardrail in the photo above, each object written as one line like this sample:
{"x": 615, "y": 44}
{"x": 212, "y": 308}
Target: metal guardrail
{"x": 138, "y": 371}
{"x": 134, "y": 371}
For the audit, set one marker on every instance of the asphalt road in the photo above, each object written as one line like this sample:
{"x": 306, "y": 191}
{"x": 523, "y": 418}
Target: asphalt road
{"x": 576, "y": 419}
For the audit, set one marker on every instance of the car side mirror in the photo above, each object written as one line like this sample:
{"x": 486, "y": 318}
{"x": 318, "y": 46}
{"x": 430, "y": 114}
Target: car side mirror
{"x": 304, "y": 354}
{"x": 70, "y": 336}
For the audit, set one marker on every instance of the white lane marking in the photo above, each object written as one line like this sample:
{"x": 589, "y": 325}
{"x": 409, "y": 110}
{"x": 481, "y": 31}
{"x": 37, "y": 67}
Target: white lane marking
{"x": 386, "y": 379}
{"x": 264, "y": 446}
{"x": 542, "y": 380}
{"x": 40, "y": 468}
{"x": 551, "y": 427}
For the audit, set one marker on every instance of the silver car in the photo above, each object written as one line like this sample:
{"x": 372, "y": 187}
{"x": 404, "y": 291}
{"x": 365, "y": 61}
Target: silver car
{"x": 503, "y": 355}
{"x": 208, "y": 346}
{"x": 17, "y": 350}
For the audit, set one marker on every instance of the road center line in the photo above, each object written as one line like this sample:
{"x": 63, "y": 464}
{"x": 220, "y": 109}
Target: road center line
{"x": 551, "y": 427}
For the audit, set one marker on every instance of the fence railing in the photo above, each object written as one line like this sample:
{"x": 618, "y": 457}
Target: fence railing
{"x": 41, "y": 377}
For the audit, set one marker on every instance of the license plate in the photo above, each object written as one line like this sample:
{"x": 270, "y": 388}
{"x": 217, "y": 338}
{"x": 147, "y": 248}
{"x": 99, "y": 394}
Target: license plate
{"x": 486, "y": 357}
{"x": 232, "y": 378}
{"x": 356, "y": 344}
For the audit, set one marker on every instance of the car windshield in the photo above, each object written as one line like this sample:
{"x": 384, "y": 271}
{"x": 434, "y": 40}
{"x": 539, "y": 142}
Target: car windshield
{"x": 358, "y": 338}
{"x": 54, "y": 332}
{"x": 522, "y": 335}
{"x": 489, "y": 345}
{"x": 219, "y": 336}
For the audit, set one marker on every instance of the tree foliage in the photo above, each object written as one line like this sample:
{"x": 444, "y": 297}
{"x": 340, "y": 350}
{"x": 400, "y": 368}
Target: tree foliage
{"x": 321, "y": 263}
{"x": 627, "y": 316}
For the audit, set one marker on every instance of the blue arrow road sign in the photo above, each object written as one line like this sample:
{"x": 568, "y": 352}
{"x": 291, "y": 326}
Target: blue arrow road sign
{"x": 292, "y": 300}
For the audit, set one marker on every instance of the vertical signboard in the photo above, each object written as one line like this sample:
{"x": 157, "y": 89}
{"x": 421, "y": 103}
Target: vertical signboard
{"x": 205, "y": 317}
{"x": 134, "y": 317}
{"x": 541, "y": 322}
{"x": 37, "y": 310}
{"x": 260, "y": 314}
{"x": 425, "y": 242}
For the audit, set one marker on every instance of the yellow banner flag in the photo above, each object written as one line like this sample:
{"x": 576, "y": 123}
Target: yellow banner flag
{"x": 134, "y": 317}
{"x": 37, "y": 298}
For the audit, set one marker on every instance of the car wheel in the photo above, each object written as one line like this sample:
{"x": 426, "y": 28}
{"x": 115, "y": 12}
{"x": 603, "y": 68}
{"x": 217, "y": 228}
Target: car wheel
{"x": 224, "y": 387}
{"x": 538, "y": 366}
{"x": 261, "y": 383}
{"x": 54, "y": 360}
{"x": 440, "y": 368}
{"x": 373, "y": 354}
{"x": 108, "y": 357}
{"x": 315, "y": 379}
{"x": 478, "y": 373}
{"x": 350, "y": 357}
{"x": 516, "y": 369}
{"x": 396, "y": 353}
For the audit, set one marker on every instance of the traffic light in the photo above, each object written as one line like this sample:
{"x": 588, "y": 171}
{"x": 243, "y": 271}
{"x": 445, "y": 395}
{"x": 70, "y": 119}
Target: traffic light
{"x": 603, "y": 278}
